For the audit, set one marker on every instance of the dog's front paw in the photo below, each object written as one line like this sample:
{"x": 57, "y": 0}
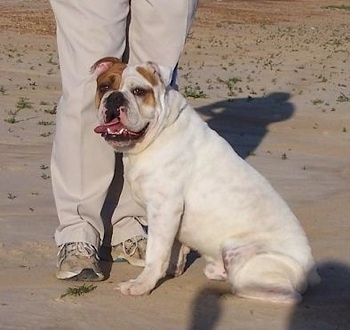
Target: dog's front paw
{"x": 133, "y": 288}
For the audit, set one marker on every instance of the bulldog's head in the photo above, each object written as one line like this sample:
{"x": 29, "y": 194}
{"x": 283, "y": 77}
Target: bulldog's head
{"x": 130, "y": 101}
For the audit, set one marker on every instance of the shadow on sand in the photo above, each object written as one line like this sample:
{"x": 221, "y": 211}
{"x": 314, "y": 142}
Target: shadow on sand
{"x": 327, "y": 305}
{"x": 206, "y": 309}
{"x": 244, "y": 122}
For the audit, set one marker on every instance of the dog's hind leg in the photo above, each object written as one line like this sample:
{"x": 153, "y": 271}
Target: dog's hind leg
{"x": 215, "y": 271}
{"x": 261, "y": 275}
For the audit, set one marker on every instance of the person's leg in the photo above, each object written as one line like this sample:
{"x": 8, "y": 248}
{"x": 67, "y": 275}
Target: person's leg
{"x": 82, "y": 163}
{"x": 157, "y": 32}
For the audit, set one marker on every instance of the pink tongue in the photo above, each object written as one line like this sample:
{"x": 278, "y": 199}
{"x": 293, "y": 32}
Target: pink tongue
{"x": 100, "y": 129}
{"x": 113, "y": 126}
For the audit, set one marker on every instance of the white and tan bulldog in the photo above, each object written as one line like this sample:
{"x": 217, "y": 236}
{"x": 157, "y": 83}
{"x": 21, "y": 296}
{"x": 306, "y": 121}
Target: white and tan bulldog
{"x": 193, "y": 186}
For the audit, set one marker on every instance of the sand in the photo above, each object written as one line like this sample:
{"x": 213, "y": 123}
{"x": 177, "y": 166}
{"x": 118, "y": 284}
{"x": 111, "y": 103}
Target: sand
{"x": 272, "y": 77}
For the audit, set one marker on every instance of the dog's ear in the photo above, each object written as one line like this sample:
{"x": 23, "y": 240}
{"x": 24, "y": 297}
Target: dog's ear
{"x": 103, "y": 64}
{"x": 165, "y": 73}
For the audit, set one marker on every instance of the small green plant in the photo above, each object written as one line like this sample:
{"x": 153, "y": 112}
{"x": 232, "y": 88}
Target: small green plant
{"x": 11, "y": 196}
{"x": 46, "y": 134}
{"x": 52, "y": 61}
{"x": 79, "y": 290}
{"x": 45, "y": 176}
{"x": 51, "y": 111}
{"x": 46, "y": 123}
{"x": 343, "y": 98}
{"x": 24, "y": 103}
{"x": 194, "y": 92}
{"x": 340, "y": 7}
{"x": 317, "y": 101}
{"x": 230, "y": 84}
{"x": 12, "y": 119}
{"x": 2, "y": 90}
{"x": 322, "y": 78}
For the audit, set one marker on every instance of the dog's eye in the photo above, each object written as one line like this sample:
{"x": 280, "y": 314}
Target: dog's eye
{"x": 139, "y": 91}
{"x": 103, "y": 88}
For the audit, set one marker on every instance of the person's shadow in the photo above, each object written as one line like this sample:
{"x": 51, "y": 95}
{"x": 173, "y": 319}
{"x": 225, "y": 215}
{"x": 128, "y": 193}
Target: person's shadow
{"x": 244, "y": 122}
{"x": 325, "y": 306}
{"x": 206, "y": 309}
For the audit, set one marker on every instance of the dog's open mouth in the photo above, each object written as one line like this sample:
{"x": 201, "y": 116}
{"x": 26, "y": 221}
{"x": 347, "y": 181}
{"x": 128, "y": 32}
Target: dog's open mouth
{"x": 116, "y": 131}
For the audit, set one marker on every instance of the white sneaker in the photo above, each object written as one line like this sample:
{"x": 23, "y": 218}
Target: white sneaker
{"x": 132, "y": 250}
{"x": 78, "y": 261}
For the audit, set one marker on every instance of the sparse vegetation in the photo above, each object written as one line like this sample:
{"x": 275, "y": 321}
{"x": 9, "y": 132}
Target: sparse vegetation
{"x": 2, "y": 90}
{"x": 11, "y": 196}
{"x": 12, "y": 119}
{"x": 46, "y": 134}
{"x": 51, "y": 111}
{"x": 343, "y": 98}
{"x": 231, "y": 84}
{"x": 46, "y": 123}
{"x": 79, "y": 290}
{"x": 194, "y": 92}
{"x": 24, "y": 103}
{"x": 339, "y": 7}
{"x": 317, "y": 101}
{"x": 45, "y": 176}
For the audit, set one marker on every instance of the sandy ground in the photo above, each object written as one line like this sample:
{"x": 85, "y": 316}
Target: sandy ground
{"x": 276, "y": 79}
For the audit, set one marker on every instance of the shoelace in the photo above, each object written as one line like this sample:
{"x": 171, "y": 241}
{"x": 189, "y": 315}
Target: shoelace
{"x": 76, "y": 248}
{"x": 134, "y": 244}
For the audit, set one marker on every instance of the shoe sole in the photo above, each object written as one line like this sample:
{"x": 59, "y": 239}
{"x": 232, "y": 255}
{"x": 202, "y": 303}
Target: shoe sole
{"x": 86, "y": 275}
{"x": 132, "y": 261}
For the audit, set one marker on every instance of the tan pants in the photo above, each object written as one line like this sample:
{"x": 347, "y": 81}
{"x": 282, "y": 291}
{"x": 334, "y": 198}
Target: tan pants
{"x": 83, "y": 165}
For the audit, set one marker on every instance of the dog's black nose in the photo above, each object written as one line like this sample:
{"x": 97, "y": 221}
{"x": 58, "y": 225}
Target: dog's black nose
{"x": 112, "y": 104}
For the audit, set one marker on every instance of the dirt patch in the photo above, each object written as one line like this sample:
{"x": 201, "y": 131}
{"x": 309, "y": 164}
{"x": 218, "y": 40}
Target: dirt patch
{"x": 36, "y": 17}
{"x": 32, "y": 16}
